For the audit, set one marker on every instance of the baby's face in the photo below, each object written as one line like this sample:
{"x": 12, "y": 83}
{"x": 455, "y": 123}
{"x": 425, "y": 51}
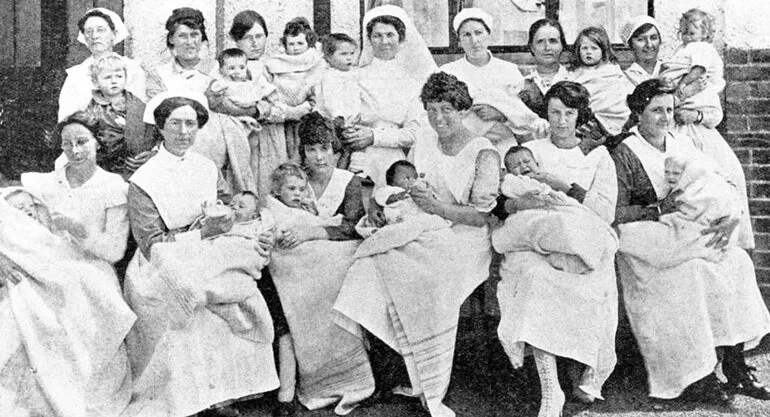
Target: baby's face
{"x": 590, "y": 52}
{"x": 522, "y": 163}
{"x": 296, "y": 45}
{"x": 23, "y": 201}
{"x": 244, "y": 207}
{"x": 235, "y": 68}
{"x": 694, "y": 33}
{"x": 293, "y": 191}
{"x": 673, "y": 172}
{"x": 111, "y": 82}
{"x": 404, "y": 177}
{"x": 344, "y": 57}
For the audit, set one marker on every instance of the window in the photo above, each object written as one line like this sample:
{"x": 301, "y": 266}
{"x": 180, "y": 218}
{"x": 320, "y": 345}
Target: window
{"x": 512, "y": 18}
{"x": 20, "y": 32}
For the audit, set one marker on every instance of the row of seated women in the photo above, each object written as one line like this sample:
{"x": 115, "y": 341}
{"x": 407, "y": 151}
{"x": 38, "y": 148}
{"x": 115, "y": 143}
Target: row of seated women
{"x": 199, "y": 321}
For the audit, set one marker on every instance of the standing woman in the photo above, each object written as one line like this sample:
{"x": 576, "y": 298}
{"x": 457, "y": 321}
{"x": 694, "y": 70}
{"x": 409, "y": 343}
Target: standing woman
{"x": 554, "y": 311}
{"x": 546, "y": 44}
{"x": 100, "y": 30}
{"x": 85, "y": 200}
{"x": 395, "y": 62}
{"x": 494, "y": 84}
{"x": 643, "y": 37}
{"x": 183, "y": 369}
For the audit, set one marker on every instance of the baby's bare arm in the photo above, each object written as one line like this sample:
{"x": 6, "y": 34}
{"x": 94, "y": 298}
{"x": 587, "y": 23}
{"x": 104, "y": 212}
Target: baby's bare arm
{"x": 695, "y": 73}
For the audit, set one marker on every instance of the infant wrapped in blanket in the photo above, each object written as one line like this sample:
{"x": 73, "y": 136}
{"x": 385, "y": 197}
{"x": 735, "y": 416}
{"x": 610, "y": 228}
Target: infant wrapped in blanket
{"x": 705, "y": 196}
{"x": 571, "y": 237}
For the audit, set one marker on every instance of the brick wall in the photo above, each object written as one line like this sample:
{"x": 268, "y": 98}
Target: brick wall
{"x": 746, "y": 127}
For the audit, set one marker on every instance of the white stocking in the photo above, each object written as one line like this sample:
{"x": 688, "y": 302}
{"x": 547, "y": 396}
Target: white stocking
{"x": 552, "y": 397}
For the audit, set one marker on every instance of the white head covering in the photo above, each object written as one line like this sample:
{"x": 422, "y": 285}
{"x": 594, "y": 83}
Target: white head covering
{"x": 472, "y": 13}
{"x": 413, "y": 55}
{"x": 154, "y": 102}
{"x": 633, "y": 24}
{"x": 120, "y": 28}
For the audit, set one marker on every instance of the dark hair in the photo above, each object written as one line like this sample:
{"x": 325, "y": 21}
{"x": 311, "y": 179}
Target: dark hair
{"x": 542, "y": 23}
{"x": 299, "y": 26}
{"x": 192, "y": 18}
{"x": 472, "y": 19}
{"x": 516, "y": 149}
{"x": 642, "y": 29}
{"x": 230, "y": 53}
{"x": 244, "y": 21}
{"x": 387, "y": 20}
{"x": 251, "y": 194}
{"x": 574, "y": 96}
{"x": 641, "y": 97}
{"x": 80, "y": 117}
{"x": 331, "y": 42}
{"x": 283, "y": 171}
{"x": 167, "y": 106}
{"x": 391, "y": 172}
{"x": 315, "y": 129}
{"x": 95, "y": 13}
{"x": 446, "y": 87}
{"x": 598, "y": 36}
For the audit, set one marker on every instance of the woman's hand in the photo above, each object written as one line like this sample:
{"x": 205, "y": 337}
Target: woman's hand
{"x": 552, "y": 181}
{"x": 265, "y": 243}
{"x": 212, "y": 226}
{"x": 69, "y": 225}
{"x": 488, "y": 113}
{"x": 722, "y": 229}
{"x": 686, "y": 116}
{"x": 10, "y": 273}
{"x": 670, "y": 204}
{"x": 592, "y": 135}
{"x": 376, "y": 214}
{"x": 425, "y": 200}
{"x": 357, "y": 137}
{"x": 291, "y": 238}
{"x": 134, "y": 162}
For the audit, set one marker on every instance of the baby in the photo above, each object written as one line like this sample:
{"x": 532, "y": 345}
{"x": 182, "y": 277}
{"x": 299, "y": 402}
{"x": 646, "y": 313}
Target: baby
{"x": 521, "y": 166}
{"x": 25, "y": 202}
{"x": 705, "y": 194}
{"x": 339, "y": 97}
{"x": 249, "y": 220}
{"x": 696, "y": 58}
{"x": 236, "y": 84}
{"x": 394, "y": 198}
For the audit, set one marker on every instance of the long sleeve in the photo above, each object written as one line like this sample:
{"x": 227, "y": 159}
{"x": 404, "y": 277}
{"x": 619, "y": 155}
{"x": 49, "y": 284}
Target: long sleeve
{"x": 154, "y": 84}
{"x": 70, "y": 98}
{"x": 635, "y": 192}
{"x": 146, "y": 224}
{"x": 352, "y": 210}
{"x": 602, "y": 196}
{"x": 486, "y": 181}
{"x": 405, "y": 136}
{"x": 109, "y": 243}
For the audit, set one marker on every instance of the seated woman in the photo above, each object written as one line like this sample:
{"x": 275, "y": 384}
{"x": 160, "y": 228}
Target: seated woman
{"x": 62, "y": 320}
{"x": 84, "y": 200}
{"x": 556, "y": 312}
{"x": 184, "y": 356}
{"x": 412, "y": 301}
{"x": 683, "y": 314}
{"x": 314, "y": 253}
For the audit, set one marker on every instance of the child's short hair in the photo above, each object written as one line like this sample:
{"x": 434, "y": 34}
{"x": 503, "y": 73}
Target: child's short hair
{"x": 110, "y": 61}
{"x": 516, "y": 149}
{"x": 391, "y": 172}
{"x": 299, "y": 26}
{"x": 230, "y": 53}
{"x": 252, "y": 194}
{"x": 598, "y": 36}
{"x": 331, "y": 42}
{"x": 706, "y": 20}
{"x": 285, "y": 170}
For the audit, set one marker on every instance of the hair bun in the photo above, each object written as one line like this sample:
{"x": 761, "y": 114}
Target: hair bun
{"x": 184, "y": 14}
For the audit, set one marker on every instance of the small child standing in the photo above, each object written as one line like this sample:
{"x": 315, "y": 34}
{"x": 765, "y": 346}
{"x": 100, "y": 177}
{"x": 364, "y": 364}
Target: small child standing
{"x": 595, "y": 67}
{"x": 118, "y": 112}
{"x": 294, "y": 73}
{"x": 338, "y": 95}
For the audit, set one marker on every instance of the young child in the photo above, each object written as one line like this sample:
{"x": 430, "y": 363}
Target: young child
{"x": 236, "y": 83}
{"x": 28, "y": 204}
{"x": 338, "y": 95}
{"x": 519, "y": 182}
{"x": 294, "y": 73}
{"x": 595, "y": 67}
{"x": 120, "y": 131}
{"x": 705, "y": 194}
{"x": 696, "y": 58}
